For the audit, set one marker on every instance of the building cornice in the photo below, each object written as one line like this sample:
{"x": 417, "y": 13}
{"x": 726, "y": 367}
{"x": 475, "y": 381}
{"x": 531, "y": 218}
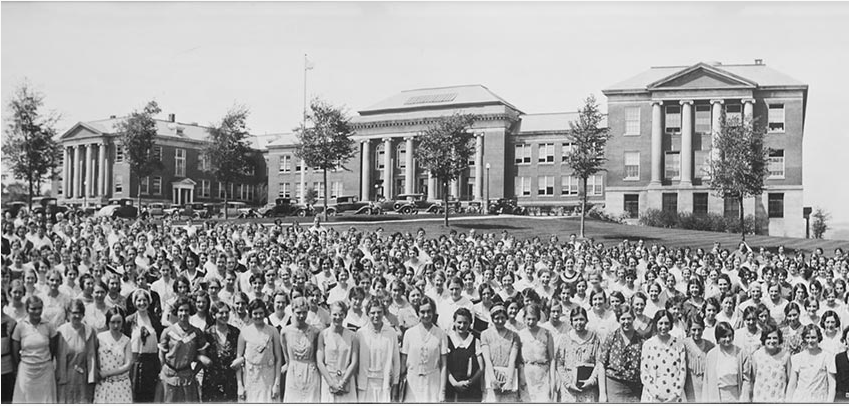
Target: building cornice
{"x": 427, "y": 121}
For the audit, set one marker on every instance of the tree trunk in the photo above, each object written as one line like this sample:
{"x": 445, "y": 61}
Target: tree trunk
{"x": 29, "y": 198}
{"x": 225, "y": 200}
{"x": 138, "y": 196}
{"x": 583, "y": 206}
{"x": 325, "y": 195}
{"x": 742, "y": 223}
{"x": 445, "y": 200}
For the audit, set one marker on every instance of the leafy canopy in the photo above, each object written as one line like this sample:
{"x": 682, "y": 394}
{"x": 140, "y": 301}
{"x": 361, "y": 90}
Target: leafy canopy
{"x": 327, "y": 144}
{"x": 740, "y": 168}
{"x": 445, "y": 147}
{"x": 588, "y": 141}
{"x": 228, "y": 149}
{"x": 137, "y": 133}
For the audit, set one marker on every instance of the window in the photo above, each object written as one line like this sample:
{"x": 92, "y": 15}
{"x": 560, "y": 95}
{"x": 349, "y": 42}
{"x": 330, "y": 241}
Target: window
{"x": 401, "y": 155}
{"x": 775, "y": 204}
{"x": 251, "y": 171}
{"x": 298, "y": 163}
{"x": 776, "y": 117}
{"x": 523, "y": 186}
{"x": 251, "y": 189}
{"x": 119, "y": 154}
{"x": 285, "y": 164}
{"x": 381, "y": 156}
{"x": 734, "y": 114}
{"x": 59, "y": 186}
{"x": 673, "y": 165}
{"x": 222, "y": 192}
{"x": 523, "y": 154}
{"x": 545, "y": 186}
{"x": 205, "y": 187}
{"x": 179, "y": 162}
{"x": 670, "y": 202}
{"x": 119, "y": 184}
{"x": 285, "y": 190}
{"x": 632, "y": 165}
{"x": 203, "y": 162}
{"x": 731, "y": 208}
{"x": 673, "y": 119}
{"x": 703, "y": 122}
{"x": 298, "y": 190}
{"x": 319, "y": 189}
{"x": 336, "y": 189}
{"x": 702, "y": 160}
{"x": 546, "y": 153}
{"x": 700, "y": 203}
{"x": 157, "y": 152}
{"x": 157, "y": 185}
{"x": 632, "y": 205}
{"x": 595, "y": 185}
{"x": 632, "y": 121}
{"x": 145, "y": 185}
{"x": 565, "y": 149}
{"x": 569, "y": 185}
{"x": 776, "y": 164}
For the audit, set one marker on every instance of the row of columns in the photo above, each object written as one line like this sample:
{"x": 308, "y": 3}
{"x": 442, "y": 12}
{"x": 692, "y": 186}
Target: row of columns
{"x": 686, "y": 137}
{"x": 410, "y": 170}
{"x": 82, "y": 176}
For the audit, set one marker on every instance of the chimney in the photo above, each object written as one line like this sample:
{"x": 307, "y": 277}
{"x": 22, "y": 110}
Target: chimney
{"x": 759, "y": 61}
{"x": 112, "y": 116}
{"x": 172, "y": 117}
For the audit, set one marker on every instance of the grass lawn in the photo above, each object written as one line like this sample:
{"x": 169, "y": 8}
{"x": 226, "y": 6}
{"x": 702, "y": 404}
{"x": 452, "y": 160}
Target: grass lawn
{"x": 525, "y": 227}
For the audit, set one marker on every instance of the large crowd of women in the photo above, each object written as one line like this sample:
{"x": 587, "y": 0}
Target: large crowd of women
{"x": 114, "y": 311}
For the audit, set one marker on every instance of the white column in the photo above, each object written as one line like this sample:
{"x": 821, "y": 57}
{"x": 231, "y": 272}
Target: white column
{"x": 455, "y": 188}
{"x": 387, "y": 168}
{"x": 101, "y": 172}
{"x": 479, "y": 167}
{"x": 431, "y": 187}
{"x": 715, "y": 127}
{"x": 686, "y": 142}
{"x": 192, "y": 194}
{"x": 365, "y": 188}
{"x": 656, "y": 142}
{"x": 78, "y": 179}
{"x": 303, "y": 199}
{"x": 748, "y": 107}
{"x": 410, "y": 173}
{"x": 66, "y": 172}
{"x": 87, "y": 169}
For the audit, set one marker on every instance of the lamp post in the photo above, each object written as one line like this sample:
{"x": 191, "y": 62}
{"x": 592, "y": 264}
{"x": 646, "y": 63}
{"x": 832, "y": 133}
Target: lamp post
{"x": 485, "y": 208}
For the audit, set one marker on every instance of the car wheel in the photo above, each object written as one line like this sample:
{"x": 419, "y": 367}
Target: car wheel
{"x": 331, "y": 212}
{"x": 301, "y": 213}
{"x": 406, "y": 210}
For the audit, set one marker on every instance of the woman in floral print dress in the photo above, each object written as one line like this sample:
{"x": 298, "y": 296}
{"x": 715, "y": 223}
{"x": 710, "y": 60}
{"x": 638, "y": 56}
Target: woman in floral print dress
{"x": 663, "y": 366}
{"x": 576, "y": 348}
{"x": 770, "y": 368}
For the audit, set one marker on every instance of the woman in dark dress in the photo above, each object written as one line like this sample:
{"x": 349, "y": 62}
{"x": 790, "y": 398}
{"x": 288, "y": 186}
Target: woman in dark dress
{"x": 219, "y": 384}
{"x": 465, "y": 361}
{"x": 143, "y": 327}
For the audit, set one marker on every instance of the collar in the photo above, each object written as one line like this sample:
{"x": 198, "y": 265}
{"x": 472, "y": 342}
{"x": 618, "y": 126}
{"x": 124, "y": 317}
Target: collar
{"x": 459, "y": 342}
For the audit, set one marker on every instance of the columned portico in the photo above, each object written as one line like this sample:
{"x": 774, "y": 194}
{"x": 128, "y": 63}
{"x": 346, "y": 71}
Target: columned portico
{"x": 66, "y": 173}
{"x": 365, "y": 188}
{"x": 410, "y": 169}
{"x": 101, "y": 173}
{"x": 387, "y": 168}
{"x": 89, "y": 170}
{"x": 656, "y": 142}
{"x": 686, "y": 143}
{"x": 183, "y": 192}
{"x": 479, "y": 167}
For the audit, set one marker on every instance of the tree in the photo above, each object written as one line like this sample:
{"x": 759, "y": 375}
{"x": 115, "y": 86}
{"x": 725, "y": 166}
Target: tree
{"x": 228, "y": 149}
{"x": 137, "y": 133}
{"x": 327, "y": 144}
{"x": 820, "y": 224}
{"x": 311, "y": 196}
{"x": 444, "y": 150}
{"x": 588, "y": 141}
{"x": 739, "y": 170}
{"x": 30, "y": 147}
{"x": 15, "y": 191}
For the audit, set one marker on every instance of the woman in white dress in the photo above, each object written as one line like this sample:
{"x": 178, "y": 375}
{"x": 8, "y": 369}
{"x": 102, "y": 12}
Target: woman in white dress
{"x": 258, "y": 346}
{"x": 300, "y": 341}
{"x": 424, "y": 358}
{"x": 337, "y": 358}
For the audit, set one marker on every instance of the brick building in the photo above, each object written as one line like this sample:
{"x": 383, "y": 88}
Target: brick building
{"x": 663, "y": 120}
{"x": 94, "y": 170}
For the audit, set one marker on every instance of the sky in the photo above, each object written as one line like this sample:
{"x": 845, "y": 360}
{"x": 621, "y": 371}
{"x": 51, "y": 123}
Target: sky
{"x": 199, "y": 59}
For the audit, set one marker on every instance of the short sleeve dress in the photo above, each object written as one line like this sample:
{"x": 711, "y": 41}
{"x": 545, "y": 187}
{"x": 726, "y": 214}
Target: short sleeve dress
{"x": 303, "y": 381}
{"x": 813, "y": 370}
{"x": 423, "y": 348}
{"x": 571, "y": 352}
{"x": 110, "y": 355}
{"x": 500, "y": 344}
{"x": 663, "y": 369}
{"x": 181, "y": 347}
{"x": 769, "y": 376}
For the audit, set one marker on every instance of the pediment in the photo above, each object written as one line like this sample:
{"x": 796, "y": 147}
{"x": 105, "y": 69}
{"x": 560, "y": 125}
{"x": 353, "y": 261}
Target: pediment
{"x": 80, "y": 130}
{"x": 184, "y": 182}
{"x": 702, "y": 76}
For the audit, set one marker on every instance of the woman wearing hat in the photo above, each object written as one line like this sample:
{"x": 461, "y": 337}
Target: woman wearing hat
{"x": 500, "y": 347}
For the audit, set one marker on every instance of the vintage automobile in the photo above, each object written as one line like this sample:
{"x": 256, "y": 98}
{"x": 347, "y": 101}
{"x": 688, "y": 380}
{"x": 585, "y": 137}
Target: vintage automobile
{"x": 437, "y": 207}
{"x": 407, "y": 203}
{"x": 156, "y": 209}
{"x": 505, "y": 206}
{"x": 118, "y": 211}
{"x": 284, "y": 206}
{"x": 48, "y": 206}
{"x": 342, "y": 204}
{"x": 13, "y": 208}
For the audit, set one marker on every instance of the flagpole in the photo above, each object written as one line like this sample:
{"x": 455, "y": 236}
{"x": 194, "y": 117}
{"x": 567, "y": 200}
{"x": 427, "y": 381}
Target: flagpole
{"x": 303, "y": 199}
{"x": 305, "y": 91}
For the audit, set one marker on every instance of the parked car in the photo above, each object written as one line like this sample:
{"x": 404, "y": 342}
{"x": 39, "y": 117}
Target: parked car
{"x": 505, "y": 206}
{"x": 156, "y": 209}
{"x": 341, "y": 204}
{"x": 284, "y": 206}
{"x": 407, "y": 203}
{"x": 48, "y": 206}
{"x": 437, "y": 208}
{"x": 117, "y": 211}
{"x": 13, "y": 208}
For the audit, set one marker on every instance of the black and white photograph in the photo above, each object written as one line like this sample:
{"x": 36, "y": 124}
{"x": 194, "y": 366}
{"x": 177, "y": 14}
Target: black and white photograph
{"x": 424, "y": 202}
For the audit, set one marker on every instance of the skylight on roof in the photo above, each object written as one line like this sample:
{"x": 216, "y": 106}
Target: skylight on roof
{"x": 431, "y": 98}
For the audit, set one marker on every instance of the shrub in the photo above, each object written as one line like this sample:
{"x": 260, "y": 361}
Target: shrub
{"x": 702, "y": 222}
